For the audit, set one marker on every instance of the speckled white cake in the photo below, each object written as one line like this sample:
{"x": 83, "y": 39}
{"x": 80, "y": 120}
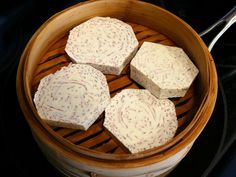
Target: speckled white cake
{"x": 73, "y": 97}
{"x": 139, "y": 120}
{"x": 107, "y": 44}
{"x": 164, "y": 70}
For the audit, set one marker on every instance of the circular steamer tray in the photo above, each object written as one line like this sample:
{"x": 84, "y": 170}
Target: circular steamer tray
{"x": 45, "y": 54}
{"x": 97, "y": 138}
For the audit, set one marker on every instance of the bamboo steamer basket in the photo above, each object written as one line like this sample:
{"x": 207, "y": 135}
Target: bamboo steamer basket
{"x": 96, "y": 152}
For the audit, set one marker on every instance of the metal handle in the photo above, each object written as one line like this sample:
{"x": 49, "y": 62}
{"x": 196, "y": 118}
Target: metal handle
{"x": 229, "y": 18}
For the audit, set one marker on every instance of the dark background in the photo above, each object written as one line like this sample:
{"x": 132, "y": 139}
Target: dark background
{"x": 214, "y": 153}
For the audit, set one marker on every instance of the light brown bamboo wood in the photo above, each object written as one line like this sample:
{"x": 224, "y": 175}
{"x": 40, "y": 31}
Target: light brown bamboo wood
{"x": 45, "y": 54}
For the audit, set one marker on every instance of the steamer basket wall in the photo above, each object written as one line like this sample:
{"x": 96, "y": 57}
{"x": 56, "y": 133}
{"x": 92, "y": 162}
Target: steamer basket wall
{"x": 96, "y": 151}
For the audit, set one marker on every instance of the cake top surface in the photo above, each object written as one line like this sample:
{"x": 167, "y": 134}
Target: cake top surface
{"x": 101, "y": 41}
{"x": 168, "y": 67}
{"x": 140, "y": 120}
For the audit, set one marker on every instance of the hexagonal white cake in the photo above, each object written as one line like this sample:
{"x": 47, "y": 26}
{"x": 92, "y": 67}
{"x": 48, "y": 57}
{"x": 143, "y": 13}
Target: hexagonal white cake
{"x": 165, "y": 71}
{"x": 73, "y": 97}
{"x": 139, "y": 120}
{"x": 107, "y": 44}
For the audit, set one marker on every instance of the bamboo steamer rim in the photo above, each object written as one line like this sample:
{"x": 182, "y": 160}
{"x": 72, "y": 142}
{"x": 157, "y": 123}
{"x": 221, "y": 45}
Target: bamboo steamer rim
{"x": 164, "y": 152}
{"x": 59, "y": 148}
